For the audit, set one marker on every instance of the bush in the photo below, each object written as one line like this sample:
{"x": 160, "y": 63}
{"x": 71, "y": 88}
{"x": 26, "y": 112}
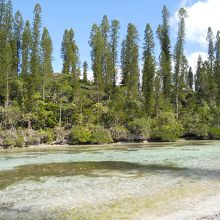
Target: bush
{"x": 163, "y": 134}
{"x": 20, "y": 142}
{"x": 140, "y": 128}
{"x": 33, "y": 138}
{"x": 80, "y": 134}
{"x": 46, "y": 136}
{"x": 8, "y": 138}
{"x": 60, "y": 135}
{"x": 214, "y": 133}
{"x": 9, "y": 141}
{"x": 200, "y": 131}
{"x": 166, "y": 127}
{"x": 100, "y": 136}
{"x": 119, "y": 133}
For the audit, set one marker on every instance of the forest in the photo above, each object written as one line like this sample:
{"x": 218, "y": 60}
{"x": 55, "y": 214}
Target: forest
{"x": 132, "y": 97}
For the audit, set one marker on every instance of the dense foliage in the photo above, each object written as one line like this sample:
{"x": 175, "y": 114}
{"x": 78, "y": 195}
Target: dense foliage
{"x": 136, "y": 103}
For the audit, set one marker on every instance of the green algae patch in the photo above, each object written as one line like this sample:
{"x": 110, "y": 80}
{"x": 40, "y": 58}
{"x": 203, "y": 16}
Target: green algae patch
{"x": 35, "y": 172}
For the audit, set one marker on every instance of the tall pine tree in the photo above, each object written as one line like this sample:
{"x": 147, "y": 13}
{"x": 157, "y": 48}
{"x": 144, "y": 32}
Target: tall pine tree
{"x": 46, "y": 59}
{"x": 35, "y": 51}
{"x": 179, "y": 59}
{"x": 97, "y": 44}
{"x": 130, "y": 55}
{"x": 18, "y": 29}
{"x": 70, "y": 54}
{"x": 165, "y": 54}
{"x": 85, "y": 71}
{"x": 148, "y": 70}
{"x": 114, "y": 35}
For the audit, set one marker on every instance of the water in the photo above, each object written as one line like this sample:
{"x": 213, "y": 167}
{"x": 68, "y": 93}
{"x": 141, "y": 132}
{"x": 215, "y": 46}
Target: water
{"x": 123, "y": 181}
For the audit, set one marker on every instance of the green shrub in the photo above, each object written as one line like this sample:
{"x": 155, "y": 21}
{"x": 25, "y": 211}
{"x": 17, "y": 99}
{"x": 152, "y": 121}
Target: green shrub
{"x": 119, "y": 133}
{"x": 140, "y": 128}
{"x": 33, "y": 138}
{"x": 166, "y": 127}
{"x": 8, "y": 138}
{"x": 80, "y": 134}
{"x": 9, "y": 141}
{"x": 100, "y": 136}
{"x": 214, "y": 133}
{"x": 201, "y": 131}
{"x": 20, "y": 142}
{"x": 60, "y": 135}
{"x": 163, "y": 134}
{"x": 46, "y": 136}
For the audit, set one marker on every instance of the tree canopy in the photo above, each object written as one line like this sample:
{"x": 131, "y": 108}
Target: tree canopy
{"x": 129, "y": 98}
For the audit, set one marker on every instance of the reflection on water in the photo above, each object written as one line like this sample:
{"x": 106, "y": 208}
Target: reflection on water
{"x": 132, "y": 181}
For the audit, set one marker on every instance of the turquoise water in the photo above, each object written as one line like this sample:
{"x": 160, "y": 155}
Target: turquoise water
{"x": 123, "y": 181}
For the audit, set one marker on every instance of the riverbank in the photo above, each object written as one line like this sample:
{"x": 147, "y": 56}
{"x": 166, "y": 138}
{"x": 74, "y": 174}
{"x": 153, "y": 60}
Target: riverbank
{"x": 49, "y": 147}
{"x": 95, "y": 134}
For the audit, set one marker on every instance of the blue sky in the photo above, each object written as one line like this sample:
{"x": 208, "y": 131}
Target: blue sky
{"x": 58, "y": 15}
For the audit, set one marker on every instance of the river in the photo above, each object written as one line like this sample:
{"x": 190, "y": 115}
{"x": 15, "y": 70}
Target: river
{"x": 121, "y": 181}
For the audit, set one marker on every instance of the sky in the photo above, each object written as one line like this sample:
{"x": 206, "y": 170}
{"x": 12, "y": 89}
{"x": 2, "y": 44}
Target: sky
{"x": 58, "y": 15}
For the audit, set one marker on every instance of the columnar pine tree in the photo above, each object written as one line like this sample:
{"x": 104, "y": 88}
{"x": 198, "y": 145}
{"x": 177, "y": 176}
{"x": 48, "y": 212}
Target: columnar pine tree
{"x": 148, "y": 70}
{"x": 217, "y": 67}
{"x": 26, "y": 50}
{"x": 85, "y": 71}
{"x": 10, "y": 38}
{"x": 64, "y": 53}
{"x": 190, "y": 81}
{"x": 165, "y": 54}
{"x": 105, "y": 27}
{"x": 3, "y": 38}
{"x": 25, "y": 65}
{"x": 8, "y": 20}
{"x": 6, "y": 47}
{"x": 122, "y": 58}
{"x": 211, "y": 63}
{"x": 107, "y": 61}
{"x": 2, "y": 10}
{"x": 216, "y": 76}
{"x": 18, "y": 29}
{"x": 70, "y": 54}
{"x": 130, "y": 68}
{"x": 200, "y": 79}
{"x": 35, "y": 51}
{"x": 211, "y": 48}
{"x": 114, "y": 35}
{"x": 7, "y": 72}
{"x": 46, "y": 59}
{"x": 73, "y": 53}
{"x": 179, "y": 58}
{"x": 97, "y": 44}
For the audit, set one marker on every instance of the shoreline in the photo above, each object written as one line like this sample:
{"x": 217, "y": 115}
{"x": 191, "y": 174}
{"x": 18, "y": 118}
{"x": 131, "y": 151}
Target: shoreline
{"x": 77, "y": 146}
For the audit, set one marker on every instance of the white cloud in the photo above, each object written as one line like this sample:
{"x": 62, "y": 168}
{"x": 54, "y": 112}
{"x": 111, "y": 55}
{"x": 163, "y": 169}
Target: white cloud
{"x": 192, "y": 59}
{"x": 201, "y": 15}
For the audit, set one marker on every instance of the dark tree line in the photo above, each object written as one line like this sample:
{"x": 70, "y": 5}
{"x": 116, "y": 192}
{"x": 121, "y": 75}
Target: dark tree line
{"x": 155, "y": 100}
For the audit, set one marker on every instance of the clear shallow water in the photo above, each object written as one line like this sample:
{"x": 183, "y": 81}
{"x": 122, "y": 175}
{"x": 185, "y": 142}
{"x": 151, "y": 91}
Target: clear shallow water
{"x": 132, "y": 181}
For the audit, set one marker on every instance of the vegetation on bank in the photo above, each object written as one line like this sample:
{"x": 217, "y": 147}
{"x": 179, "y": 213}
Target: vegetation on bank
{"x": 154, "y": 101}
